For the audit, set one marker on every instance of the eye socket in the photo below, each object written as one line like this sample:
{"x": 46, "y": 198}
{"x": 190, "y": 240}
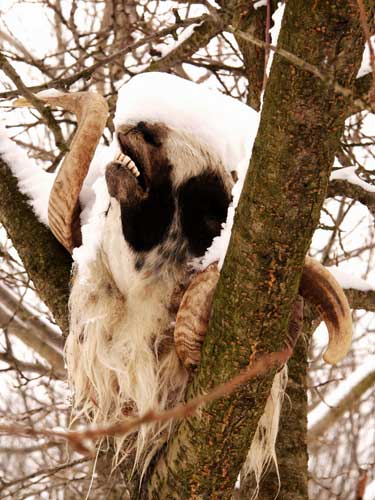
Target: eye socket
{"x": 151, "y": 133}
{"x": 214, "y": 224}
{"x": 203, "y": 204}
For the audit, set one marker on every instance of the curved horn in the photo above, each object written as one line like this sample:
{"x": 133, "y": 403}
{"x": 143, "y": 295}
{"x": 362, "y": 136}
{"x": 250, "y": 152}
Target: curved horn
{"x": 63, "y": 210}
{"x": 320, "y": 288}
{"x": 193, "y": 315}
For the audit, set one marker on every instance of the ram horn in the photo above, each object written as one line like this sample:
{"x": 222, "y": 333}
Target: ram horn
{"x": 91, "y": 110}
{"x": 317, "y": 286}
{"x": 320, "y": 288}
{"x": 193, "y": 315}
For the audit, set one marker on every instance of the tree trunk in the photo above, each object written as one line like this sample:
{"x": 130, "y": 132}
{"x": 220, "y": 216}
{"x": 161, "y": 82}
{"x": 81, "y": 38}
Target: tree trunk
{"x": 291, "y": 445}
{"x": 302, "y": 122}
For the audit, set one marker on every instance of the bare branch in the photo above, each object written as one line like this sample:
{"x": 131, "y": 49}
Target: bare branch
{"x": 32, "y": 331}
{"x": 22, "y": 366}
{"x": 348, "y": 402}
{"x": 44, "y": 331}
{"x": 357, "y": 102}
{"x": 44, "y": 472}
{"x": 78, "y": 439}
{"x": 344, "y": 188}
{"x": 45, "y": 112}
{"x": 28, "y": 449}
{"x": 85, "y": 74}
{"x": 359, "y": 299}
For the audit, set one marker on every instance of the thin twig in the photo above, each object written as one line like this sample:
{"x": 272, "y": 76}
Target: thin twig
{"x": 300, "y": 63}
{"x": 63, "y": 83}
{"x": 44, "y": 472}
{"x": 81, "y": 440}
{"x": 45, "y": 112}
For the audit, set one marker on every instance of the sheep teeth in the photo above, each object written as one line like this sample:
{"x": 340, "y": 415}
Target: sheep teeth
{"x": 127, "y": 162}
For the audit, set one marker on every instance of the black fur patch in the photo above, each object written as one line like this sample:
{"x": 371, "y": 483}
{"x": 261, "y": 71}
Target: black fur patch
{"x": 145, "y": 223}
{"x": 147, "y": 202}
{"x": 203, "y": 204}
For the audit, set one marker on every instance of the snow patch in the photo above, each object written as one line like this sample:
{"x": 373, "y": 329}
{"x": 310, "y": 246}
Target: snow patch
{"x": 49, "y": 93}
{"x": 260, "y": 3}
{"x": 222, "y": 123}
{"x": 370, "y": 491}
{"x": 33, "y": 181}
{"x": 349, "y": 281}
{"x": 349, "y": 174}
{"x": 365, "y": 67}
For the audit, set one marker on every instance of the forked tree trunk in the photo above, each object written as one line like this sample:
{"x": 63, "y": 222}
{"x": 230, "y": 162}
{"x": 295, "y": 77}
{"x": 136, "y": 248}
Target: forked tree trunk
{"x": 302, "y": 122}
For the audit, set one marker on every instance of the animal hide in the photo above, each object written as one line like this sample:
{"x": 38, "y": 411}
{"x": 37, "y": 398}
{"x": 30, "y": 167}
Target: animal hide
{"x": 163, "y": 214}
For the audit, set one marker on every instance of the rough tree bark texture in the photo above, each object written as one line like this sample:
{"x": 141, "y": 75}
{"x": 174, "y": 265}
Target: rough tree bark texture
{"x": 291, "y": 449}
{"x": 47, "y": 263}
{"x": 301, "y": 125}
{"x": 254, "y": 57}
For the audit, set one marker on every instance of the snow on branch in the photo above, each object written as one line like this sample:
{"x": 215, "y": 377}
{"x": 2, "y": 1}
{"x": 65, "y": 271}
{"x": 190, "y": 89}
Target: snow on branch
{"x": 345, "y": 182}
{"x": 348, "y": 281}
{"x": 349, "y": 174}
{"x": 34, "y": 182}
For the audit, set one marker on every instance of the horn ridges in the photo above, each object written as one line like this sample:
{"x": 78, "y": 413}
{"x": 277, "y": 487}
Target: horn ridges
{"x": 91, "y": 110}
{"x": 320, "y": 288}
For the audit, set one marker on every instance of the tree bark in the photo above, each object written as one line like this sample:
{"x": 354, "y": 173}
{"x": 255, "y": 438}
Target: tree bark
{"x": 291, "y": 445}
{"x": 255, "y": 57}
{"x": 302, "y": 121}
{"x": 47, "y": 262}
